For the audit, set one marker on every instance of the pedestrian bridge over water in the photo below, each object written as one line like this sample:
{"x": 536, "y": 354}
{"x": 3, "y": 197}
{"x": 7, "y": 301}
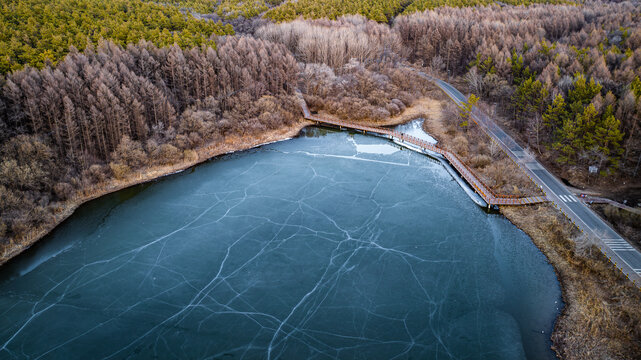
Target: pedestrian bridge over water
{"x": 486, "y": 193}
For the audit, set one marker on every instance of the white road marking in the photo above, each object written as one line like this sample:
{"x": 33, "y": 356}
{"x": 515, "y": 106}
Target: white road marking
{"x": 595, "y": 229}
{"x": 618, "y": 245}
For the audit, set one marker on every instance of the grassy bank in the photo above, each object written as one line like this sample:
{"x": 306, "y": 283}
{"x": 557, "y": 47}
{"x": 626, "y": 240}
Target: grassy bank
{"x": 484, "y": 157}
{"x": 601, "y": 318}
{"x": 425, "y": 107}
{"x": 626, "y": 223}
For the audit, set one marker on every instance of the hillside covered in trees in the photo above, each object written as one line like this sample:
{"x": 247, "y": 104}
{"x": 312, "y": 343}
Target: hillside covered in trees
{"x": 566, "y": 77}
{"x": 93, "y": 91}
{"x": 106, "y": 112}
{"x": 378, "y": 10}
{"x": 349, "y": 66}
{"x": 37, "y": 32}
{"x": 34, "y": 32}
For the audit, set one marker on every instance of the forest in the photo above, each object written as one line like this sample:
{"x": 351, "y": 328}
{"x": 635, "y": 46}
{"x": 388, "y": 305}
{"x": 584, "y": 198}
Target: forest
{"x": 107, "y": 111}
{"x": 153, "y": 82}
{"x": 566, "y": 77}
{"x": 96, "y": 92}
{"x": 378, "y": 10}
{"x": 348, "y": 66}
{"x": 39, "y": 32}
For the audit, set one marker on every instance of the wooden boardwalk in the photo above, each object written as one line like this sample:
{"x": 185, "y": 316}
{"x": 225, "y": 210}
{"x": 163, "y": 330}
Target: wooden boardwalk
{"x": 488, "y": 195}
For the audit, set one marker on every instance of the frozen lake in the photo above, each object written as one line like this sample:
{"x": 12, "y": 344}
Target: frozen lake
{"x": 330, "y": 245}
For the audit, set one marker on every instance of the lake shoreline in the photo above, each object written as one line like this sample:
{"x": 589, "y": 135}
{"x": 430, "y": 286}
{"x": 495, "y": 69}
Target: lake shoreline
{"x": 587, "y": 279}
{"x": 147, "y": 239}
{"x": 231, "y": 144}
{"x": 563, "y": 321}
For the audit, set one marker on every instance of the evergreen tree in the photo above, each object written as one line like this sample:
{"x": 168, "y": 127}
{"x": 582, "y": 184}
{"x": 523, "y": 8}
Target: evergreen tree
{"x": 40, "y": 32}
{"x": 583, "y": 91}
{"x": 520, "y": 72}
{"x": 586, "y": 124}
{"x": 529, "y": 99}
{"x": 555, "y": 115}
{"x": 465, "y": 110}
{"x": 608, "y": 136}
{"x": 635, "y": 86}
{"x": 566, "y": 140}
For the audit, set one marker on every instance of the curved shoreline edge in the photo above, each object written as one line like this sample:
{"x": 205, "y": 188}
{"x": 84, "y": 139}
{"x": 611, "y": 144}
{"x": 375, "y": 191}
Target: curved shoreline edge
{"x": 448, "y": 167}
{"x": 156, "y": 173}
{"x": 205, "y": 153}
{"x": 569, "y": 334}
{"x": 145, "y": 175}
{"x": 211, "y": 152}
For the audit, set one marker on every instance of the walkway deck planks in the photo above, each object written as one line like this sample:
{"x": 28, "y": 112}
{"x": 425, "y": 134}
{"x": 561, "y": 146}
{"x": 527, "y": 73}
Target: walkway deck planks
{"x": 488, "y": 195}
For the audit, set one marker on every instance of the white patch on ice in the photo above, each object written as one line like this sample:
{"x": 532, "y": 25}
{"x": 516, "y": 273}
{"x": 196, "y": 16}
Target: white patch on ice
{"x": 383, "y": 149}
{"x": 415, "y": 128}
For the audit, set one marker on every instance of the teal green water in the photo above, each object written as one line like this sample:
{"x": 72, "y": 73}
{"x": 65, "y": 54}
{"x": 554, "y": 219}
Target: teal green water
{"x": 325, "y": 246}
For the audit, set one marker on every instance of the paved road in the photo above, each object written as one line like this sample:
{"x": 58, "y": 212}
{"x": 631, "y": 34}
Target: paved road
{"x": 617, "y": 249}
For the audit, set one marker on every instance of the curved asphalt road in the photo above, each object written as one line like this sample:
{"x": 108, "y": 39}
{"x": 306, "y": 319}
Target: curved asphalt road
{"x": 617, "y": 249}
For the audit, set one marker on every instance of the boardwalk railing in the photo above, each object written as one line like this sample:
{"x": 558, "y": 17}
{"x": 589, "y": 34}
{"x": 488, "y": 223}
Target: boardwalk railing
{"x": 488, "y": 195}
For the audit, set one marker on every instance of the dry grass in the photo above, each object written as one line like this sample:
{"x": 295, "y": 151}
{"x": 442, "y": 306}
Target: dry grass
{"x": 480, "y": 161}
{"x": 602, "y": 314}
{"x": 425, "y": 107}
{"x": 421, "y": 108}
{"x": 626, "y": 223}
{"x": 487, "y": 160}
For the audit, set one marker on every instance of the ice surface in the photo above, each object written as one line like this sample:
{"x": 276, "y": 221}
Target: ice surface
{"x": 309, "y": 248}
